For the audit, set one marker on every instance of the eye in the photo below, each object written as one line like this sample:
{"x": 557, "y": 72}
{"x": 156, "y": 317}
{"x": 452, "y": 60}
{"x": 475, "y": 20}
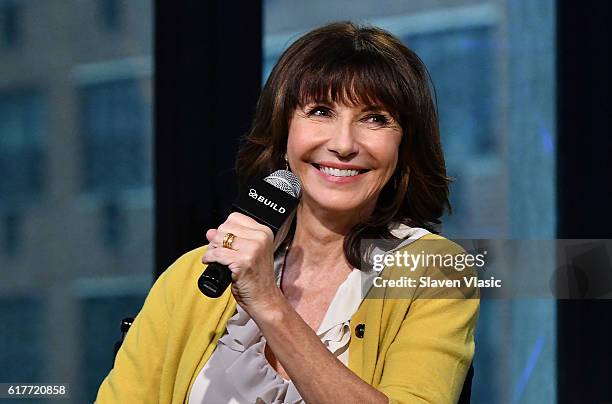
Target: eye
{"x": 379, "y": 119}
{"x": 319, "y": 110}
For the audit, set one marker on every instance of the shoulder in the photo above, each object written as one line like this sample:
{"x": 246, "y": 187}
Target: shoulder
{"x": 449, "y": 264}
{"x": 437, "y": 243}
{"x": 417, "y": 237}
{"x": 430, "y": 266}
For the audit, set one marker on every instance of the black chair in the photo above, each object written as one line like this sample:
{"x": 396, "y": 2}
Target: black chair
{"x": 466, "y": 391}
{"x": 126, "y": 323}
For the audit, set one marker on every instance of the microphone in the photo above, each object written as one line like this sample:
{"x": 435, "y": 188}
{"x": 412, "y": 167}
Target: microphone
{"x": 270, "y": 201}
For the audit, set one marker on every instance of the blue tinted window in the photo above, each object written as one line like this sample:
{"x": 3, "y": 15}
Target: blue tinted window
{"x": 21, "y": 146}
{"x": 114, "y": 128}
{"x": 10, "y": 23}
{"x": 110, "y": 14}
{"x": 22, "y": 340}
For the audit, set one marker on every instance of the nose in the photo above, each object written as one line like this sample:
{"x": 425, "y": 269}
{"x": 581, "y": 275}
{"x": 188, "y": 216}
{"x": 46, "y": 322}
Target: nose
{"x": 342, "y": 141}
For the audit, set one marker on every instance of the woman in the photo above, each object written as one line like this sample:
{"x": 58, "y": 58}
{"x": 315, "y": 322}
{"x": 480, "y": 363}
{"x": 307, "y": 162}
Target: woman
{"x": 348, "y": 109}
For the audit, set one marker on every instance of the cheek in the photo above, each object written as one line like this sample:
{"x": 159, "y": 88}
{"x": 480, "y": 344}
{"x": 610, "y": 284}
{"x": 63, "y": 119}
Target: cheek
{"x": 387, "y": 158}
{"x": 294, "y": 142}
{"x": 300, "y": 140}
{"x": 386, "y": 154}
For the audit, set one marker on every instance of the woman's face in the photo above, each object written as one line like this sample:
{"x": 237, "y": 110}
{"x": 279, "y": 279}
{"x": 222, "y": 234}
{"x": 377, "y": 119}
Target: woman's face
{"x": 343, "y": 155}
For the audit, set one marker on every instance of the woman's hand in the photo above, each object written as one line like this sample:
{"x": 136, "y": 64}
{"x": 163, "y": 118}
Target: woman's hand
{"x": 251, "y": 261}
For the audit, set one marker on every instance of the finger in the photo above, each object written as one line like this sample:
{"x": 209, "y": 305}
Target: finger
{"x": 242, "y": 219}
{"x": 210, "y": 234}
{"x": 209, "y": 247}
{"x": 240, "y": 232}
{"x": 224, "y": 256}
{"x": 238, "y": 243}
{"x": 215, "y": 238}
{"x": 249, "y": 222}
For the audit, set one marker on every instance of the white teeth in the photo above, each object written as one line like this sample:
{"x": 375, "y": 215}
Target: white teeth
{"x": 338, "y": 173}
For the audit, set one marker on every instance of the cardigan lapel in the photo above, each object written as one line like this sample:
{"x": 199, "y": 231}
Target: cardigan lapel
{"x": 200, "y": 346}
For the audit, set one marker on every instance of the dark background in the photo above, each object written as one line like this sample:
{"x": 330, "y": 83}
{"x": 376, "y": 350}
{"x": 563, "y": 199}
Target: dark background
{"x": 584, "y": 197}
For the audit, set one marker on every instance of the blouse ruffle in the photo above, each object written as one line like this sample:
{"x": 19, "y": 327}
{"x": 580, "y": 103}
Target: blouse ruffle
{"x": 250, "y": 372}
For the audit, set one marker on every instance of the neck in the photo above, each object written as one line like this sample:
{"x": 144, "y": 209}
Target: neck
{"x": 319, "y": 238}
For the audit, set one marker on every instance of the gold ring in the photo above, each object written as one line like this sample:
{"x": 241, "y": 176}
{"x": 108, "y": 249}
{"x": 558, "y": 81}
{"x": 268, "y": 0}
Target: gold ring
{"x": 228, "y": 240}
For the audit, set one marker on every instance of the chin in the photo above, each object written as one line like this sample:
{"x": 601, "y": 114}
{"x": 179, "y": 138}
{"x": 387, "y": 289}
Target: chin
{"x": 339, "y": 204}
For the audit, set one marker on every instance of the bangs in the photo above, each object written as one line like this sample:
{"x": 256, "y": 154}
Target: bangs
{"x": 360, "y": 78}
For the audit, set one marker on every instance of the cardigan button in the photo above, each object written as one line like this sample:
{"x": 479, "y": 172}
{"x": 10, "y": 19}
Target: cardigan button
{"x": 360, "y": 330}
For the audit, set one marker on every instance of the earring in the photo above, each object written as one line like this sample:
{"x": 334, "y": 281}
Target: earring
{"x": 286, "y": 163}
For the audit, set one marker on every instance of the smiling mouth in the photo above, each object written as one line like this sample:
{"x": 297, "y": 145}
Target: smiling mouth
{"x": 337, "y": 172}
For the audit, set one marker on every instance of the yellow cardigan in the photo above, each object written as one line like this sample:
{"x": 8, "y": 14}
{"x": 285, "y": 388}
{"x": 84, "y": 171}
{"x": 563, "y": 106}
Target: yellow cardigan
{"x": 413, "y": 350}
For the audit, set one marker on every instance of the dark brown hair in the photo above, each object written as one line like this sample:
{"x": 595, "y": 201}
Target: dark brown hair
{"x": 352, "y": 65}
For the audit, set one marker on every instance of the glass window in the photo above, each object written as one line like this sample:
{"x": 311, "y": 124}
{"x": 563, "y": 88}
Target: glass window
{"x": 115, "y": 116}
{"x": 10, "y": 23}
{"x": 462, "y": 65}
{"x": 23, "y": 351}
{"x": 22, "y": 143}
{"x": 21, "y": 146}
{"x": 110, "y": 14}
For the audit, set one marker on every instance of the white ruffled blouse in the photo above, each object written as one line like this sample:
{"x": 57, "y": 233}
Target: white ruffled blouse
{"x": 238, "y": 371}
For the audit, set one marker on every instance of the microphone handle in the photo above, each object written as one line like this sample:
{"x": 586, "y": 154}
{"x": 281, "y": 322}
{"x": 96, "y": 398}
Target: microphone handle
{"x": 215, "y": 279}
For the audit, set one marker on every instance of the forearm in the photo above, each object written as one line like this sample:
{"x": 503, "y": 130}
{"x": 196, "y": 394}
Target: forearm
{"x": 318, "y": 375}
